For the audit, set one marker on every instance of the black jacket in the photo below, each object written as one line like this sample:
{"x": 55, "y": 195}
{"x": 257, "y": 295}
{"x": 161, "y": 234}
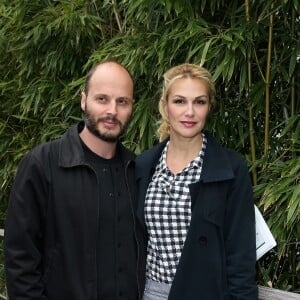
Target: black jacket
{"x": 219, "y": 254}
{"x": 52, "y": 221}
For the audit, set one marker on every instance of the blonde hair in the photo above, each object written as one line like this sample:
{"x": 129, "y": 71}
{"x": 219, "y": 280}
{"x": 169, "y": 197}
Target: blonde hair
{"x": 182, "y": 71}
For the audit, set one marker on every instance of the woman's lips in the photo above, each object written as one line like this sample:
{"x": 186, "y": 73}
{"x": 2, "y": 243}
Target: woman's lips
{"x": 188, "y": 123}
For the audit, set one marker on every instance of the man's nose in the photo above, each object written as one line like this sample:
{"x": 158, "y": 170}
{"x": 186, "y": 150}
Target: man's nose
{"x": 112, "y": 108}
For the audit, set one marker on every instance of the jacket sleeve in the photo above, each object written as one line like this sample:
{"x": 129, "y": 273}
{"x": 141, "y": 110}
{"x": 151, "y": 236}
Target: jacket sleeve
{"x": 23, "y": 241}
{"x": 240, "y": 240}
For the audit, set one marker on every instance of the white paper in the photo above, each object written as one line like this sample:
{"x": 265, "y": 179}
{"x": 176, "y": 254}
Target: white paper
{"x": 264, "y": 238}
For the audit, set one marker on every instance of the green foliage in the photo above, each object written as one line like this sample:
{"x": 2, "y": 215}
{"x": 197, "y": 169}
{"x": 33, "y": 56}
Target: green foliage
{"x": 47, "y": 47}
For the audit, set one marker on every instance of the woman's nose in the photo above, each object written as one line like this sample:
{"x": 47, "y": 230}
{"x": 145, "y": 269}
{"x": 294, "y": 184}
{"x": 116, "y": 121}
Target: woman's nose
{"x": 189, "y": 109}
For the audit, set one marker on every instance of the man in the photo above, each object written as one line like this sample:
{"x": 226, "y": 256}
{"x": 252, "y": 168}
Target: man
{"x": 71, "y": 231}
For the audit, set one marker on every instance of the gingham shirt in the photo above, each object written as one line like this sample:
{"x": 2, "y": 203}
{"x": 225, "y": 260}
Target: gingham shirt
{"x": 168, "y": 215}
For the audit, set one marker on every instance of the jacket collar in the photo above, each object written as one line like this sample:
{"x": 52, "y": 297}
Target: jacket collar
{"x": 216, "y": 164}
{"x": 71, "y": 152}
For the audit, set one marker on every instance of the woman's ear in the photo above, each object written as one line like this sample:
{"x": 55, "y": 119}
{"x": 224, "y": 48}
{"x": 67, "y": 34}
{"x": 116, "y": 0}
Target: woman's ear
{"x": 165, "y": 106}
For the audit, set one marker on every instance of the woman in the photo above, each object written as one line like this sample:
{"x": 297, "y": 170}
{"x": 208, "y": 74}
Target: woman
{"x": 195, "y": 200}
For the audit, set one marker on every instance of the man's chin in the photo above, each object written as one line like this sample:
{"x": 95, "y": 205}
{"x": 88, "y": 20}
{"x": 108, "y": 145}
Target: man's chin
{"x": 107, "y": 137}
{"x": 110, "y": 138}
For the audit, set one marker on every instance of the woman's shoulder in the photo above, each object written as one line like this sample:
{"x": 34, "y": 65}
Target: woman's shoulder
{"x": 218, "y": 151}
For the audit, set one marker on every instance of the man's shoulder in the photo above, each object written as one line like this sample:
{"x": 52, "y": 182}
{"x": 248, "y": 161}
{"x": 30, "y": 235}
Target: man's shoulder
{"x": 44, "y": 149}
{"x": 54, "y": 144}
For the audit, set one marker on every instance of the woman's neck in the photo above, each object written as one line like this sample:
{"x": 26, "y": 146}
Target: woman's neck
{"x": 181, "y": 151}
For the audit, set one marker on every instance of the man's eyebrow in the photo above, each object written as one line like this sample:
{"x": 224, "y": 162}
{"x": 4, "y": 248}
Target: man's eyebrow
{"x": 100, "y": 94}
{"x": 125, "y": 98}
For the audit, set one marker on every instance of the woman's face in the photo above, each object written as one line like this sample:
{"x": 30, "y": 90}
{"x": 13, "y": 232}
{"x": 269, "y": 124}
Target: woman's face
{"x": 187, "y": 107}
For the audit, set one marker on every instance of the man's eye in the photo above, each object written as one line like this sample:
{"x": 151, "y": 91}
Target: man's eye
{"x": 122, "y": 101}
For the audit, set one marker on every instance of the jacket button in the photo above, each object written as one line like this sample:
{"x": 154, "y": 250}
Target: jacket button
{"x": 203, "y": 240}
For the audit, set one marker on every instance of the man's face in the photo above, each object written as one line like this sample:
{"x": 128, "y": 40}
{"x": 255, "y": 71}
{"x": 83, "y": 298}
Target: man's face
{"x": 108, "y": 105}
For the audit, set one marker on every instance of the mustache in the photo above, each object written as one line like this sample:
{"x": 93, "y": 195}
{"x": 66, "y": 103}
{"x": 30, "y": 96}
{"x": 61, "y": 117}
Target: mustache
{"x": 111, "y": 119}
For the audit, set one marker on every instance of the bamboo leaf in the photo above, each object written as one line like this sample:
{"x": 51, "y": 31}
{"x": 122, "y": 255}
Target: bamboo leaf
{"x": 204, "y": 53}
{"x": 293, "y": 62}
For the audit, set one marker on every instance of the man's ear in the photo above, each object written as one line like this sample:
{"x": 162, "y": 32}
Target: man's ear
{"x": 83, "y": 101}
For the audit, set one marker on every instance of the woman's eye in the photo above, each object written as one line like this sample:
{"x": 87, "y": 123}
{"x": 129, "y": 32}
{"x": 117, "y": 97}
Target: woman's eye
{"x": 178, "y": 101}
{"x": 201, "y": 101}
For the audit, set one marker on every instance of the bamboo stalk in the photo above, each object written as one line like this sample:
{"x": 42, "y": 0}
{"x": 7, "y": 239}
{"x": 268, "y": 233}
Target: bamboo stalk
{"x": 100, "y": 27}
{"x": 116, "y": 15}
{"x": 293, "y": 92}
{"x": 251, "y": 123}
{"x": 267, "y": 83}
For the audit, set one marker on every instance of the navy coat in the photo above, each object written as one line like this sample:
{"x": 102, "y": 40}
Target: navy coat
{"x": 219, "y": 254}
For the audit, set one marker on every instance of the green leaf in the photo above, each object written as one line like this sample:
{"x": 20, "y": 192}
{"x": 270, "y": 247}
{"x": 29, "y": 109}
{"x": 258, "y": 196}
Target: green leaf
{"x": 204, "y": 53}
{"x": 293, "y": 62}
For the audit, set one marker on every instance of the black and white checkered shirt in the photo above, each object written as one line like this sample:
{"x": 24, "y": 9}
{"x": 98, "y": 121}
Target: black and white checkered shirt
{"x": 168, "y": 215}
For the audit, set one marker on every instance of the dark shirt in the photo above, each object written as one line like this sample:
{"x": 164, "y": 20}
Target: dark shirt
{"x": 115, "y": 241}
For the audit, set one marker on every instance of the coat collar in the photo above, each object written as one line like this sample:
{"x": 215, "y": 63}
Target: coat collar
{"x": 216, "y": 164}
{"x": 71, "y": 152}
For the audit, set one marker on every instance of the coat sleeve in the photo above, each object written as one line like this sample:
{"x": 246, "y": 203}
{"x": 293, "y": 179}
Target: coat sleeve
{"x": 23, "y": 241}
{"x": 240, "y": 240}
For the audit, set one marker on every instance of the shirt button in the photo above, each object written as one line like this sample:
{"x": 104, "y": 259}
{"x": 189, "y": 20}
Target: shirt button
{"x": 111, "y": 194}
{"x": 104, "y": 170}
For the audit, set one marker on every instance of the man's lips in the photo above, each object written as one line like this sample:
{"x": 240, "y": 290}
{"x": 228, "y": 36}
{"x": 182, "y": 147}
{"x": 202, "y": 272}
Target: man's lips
{"x": 109, "y": 123}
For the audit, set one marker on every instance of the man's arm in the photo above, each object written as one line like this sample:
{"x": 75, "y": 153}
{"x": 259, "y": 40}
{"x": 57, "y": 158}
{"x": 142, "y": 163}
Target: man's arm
{"x": 23, "y": 241}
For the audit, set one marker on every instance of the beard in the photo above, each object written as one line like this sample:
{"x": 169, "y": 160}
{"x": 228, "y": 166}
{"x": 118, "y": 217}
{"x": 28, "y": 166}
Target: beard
{"x": 91, "y": 124}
